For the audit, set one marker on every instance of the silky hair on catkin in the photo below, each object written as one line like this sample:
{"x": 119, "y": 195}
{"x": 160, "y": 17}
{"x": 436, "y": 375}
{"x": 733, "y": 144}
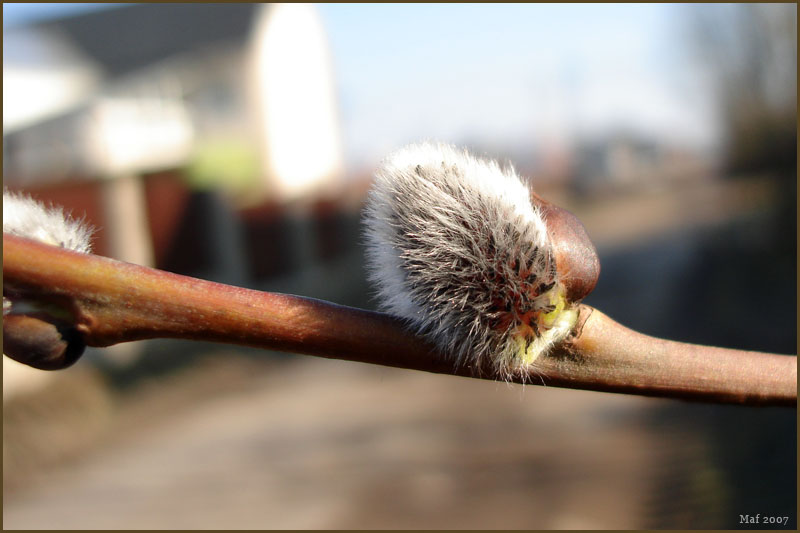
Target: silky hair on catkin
{"x": 455, "y": 247}
{"x": 25, "y": 217}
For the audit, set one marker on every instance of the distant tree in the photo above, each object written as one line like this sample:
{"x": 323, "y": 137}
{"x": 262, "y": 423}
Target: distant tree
{"x": 750, "y": 54}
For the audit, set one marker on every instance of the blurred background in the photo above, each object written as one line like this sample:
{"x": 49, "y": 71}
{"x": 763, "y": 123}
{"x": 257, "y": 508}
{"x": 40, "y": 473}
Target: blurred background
{"x": 236, "y": 143}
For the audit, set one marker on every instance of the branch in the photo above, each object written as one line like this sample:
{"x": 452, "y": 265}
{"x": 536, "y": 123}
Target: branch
{"x": 108, "y": 302}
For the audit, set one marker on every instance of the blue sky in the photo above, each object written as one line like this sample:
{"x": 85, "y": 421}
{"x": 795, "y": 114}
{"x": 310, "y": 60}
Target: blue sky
{"x": 500, "y": 74}
{"x": 505, "y": 74}
{"x": 19, "y": 13}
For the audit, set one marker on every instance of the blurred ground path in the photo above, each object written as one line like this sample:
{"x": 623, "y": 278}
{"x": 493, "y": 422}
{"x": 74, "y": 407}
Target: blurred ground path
{"x": 329, "y": 444}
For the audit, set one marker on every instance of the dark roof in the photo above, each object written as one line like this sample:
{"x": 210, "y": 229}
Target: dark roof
{"x": 129, "y": 37}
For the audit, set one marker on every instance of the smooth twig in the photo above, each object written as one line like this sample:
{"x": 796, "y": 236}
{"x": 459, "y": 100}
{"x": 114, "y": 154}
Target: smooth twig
{"x": 110, "y": 302}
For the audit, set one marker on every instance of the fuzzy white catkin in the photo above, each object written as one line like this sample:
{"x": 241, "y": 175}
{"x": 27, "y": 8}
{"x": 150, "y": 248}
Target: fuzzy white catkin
{"x": 455, "y": 246}
{"x": 25, "y": 217}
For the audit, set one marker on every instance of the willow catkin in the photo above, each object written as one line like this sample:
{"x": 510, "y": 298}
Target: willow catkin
{"x": 455, "y": 246}
{"x": 26, "y": 217}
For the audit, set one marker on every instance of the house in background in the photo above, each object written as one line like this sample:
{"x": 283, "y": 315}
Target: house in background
{"x": 138, "y": 105}
{"x": 151, "y": 86}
